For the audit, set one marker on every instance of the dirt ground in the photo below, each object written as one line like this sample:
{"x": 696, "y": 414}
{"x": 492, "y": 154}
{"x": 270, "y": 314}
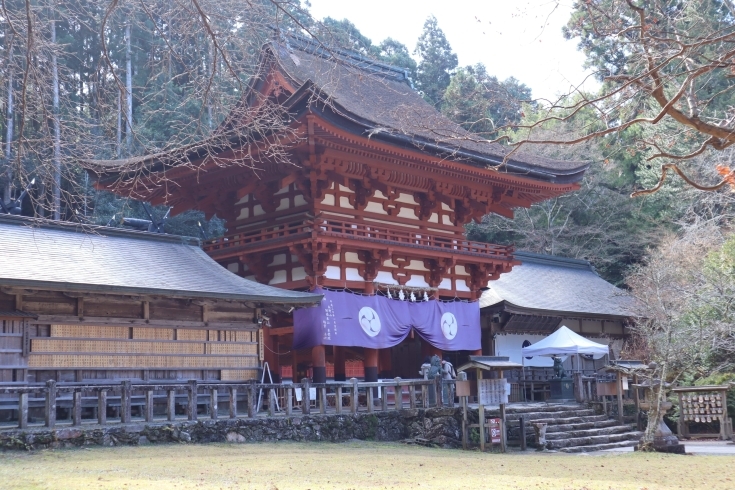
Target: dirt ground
{"x": 357, "y": 465}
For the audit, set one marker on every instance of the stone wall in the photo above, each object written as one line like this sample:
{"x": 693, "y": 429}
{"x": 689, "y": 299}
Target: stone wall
{"x": 438, "y": 426}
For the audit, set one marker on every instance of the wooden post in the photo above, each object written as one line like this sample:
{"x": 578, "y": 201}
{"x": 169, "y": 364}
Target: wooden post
{"x": 637, "y": 398}
{"x": 323, "y": 400}
{"x": 425, "y": 395}
{"x": 213, "y": 405}
{"x": 679, "y": 423}
{"x": 171, "y": 404}
{"x": 478, "y": 373}
{"x": 522, "y": 426}
{"x": 620, "y": 397}
{"x": 371, "y": 402}
{"x": 305, "y": 401}
{"x": 399, "y": 394}
{"x": 481, "y": 413}
{"x": 22, "y": 410}
{"x": 338, "y": 400}
{"x": 233, "y": 402}
{"x": 76, "y": 408}
{"x": 464, "y": 422}
{"x": 578, "y": 387}
{"x": 289, "y": 401}
{"x": 354, "y": 399}
{"x": 102, "y": 407}
{"x": 251, "y": 400}
{"x": 125, "y": 414}
{"x": 149, "y": 405}
{"x": 271, "y": 402}
{"x": 503, "y": 432}
{"x": 412, "y": 397}
{"x": 51, "y": 403}
{"x": 192, "y": 405}
{"x": 438, "y": 390}
{"x": 383, "y": 398}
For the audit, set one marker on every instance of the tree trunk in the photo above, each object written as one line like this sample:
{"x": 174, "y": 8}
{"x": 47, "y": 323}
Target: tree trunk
{"x": 129, "y": 90}
{"x": 9, "y": 127}
{"x": 118, "y": 149}
{"x": 56, "y": 204}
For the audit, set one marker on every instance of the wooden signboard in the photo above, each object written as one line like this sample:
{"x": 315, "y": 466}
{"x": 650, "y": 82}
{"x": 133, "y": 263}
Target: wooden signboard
{"x": 495, "y": 433}
{"x": 463, "y": 388}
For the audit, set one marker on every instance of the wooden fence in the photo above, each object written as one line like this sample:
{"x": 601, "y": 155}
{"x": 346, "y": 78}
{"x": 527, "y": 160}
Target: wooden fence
{"x": 121, "y": 398}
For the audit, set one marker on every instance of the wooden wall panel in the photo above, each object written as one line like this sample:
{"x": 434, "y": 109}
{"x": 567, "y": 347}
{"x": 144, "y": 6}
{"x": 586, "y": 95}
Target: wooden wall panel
{"x": 90, "y": 331}
{"x": 72, "y": 361}
{"x": 238, "y": 374}
{"x": 153, "y": 333}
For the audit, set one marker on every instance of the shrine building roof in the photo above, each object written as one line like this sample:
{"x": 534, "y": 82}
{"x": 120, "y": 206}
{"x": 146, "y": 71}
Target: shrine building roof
{"x": 552, "y": 286}
{"x": 41, "y": 254}
{"x": 368, "y": 99}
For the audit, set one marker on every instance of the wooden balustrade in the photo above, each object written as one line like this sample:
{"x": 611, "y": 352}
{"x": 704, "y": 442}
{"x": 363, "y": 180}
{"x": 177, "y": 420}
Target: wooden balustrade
{"x": 130, "y": 400}
{"x": 349, "y": 229}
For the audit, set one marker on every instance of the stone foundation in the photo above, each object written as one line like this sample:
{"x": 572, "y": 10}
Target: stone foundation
{"x": 440, "y": 426}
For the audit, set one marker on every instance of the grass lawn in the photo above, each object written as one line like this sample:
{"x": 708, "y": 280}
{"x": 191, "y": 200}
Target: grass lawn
{"x": 357, "y": 465}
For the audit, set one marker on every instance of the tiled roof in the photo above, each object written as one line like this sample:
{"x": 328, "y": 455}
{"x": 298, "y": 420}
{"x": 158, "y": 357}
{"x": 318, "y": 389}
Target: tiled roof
{"x": 65, "y": 256}
{"x": 553, "y": 284}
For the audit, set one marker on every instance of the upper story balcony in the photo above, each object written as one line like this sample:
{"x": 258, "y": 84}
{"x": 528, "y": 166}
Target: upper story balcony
{"x": 363, "y": 236}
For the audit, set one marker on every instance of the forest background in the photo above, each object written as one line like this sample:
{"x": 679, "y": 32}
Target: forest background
{"x": 102, "y": 79}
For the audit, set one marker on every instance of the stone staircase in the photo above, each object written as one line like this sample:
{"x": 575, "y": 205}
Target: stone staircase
{"x": 572, "y": 428}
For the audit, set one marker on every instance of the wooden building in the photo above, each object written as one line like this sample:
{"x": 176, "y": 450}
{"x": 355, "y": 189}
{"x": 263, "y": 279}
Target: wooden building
{"x": 544, "y": 293}
{"x": 103, "y": 303}
{"x": 374, "y": 193}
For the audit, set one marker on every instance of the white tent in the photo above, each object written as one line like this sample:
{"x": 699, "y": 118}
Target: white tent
{"x": 564, "y": 342}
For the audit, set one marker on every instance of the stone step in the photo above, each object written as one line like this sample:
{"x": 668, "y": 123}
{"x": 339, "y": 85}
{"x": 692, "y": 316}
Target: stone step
{"x": 599, "y": 447}
{"x": 581, "y": 425}
{"x": 549, "y": 417}
{"x": 593, "y": 440}
{"x": 569, "y": 420}
{"x": 599, "y": 431}
{"x": 543, "y": 407}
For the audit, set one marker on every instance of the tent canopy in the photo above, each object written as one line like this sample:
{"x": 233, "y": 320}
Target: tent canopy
{"x": 564, "y": 342}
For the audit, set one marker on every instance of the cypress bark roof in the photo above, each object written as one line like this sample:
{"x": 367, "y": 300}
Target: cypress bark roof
{"x": 545, "y": 284}
{"x": 66, "y": 257}
{"x": 380, "y": 98}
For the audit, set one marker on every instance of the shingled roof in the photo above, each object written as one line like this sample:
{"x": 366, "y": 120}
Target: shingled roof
{"x": 66, "y": 257}
{"x": 379, "y": 98}
{"x": 368, "y": 98}
{"x": 549, "y": 285}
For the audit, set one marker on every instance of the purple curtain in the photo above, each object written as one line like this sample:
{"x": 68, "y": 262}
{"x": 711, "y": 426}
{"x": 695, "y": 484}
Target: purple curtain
{"x": 376, "y": 322}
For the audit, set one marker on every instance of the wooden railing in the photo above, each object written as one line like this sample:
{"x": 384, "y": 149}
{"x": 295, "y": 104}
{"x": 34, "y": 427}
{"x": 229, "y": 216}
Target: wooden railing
{"x": 352, "y": 396}
{"x": 365, "y": 232}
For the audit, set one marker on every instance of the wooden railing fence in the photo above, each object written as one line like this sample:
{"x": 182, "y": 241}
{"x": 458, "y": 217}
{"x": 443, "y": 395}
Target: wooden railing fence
{"x": 351, "y": 396}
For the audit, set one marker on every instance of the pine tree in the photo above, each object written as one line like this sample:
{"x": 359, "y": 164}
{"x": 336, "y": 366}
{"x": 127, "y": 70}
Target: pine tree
{"x": 437, "y": 64}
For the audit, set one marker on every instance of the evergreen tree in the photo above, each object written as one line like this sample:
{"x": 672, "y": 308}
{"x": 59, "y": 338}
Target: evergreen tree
{"x": 396, "y": 53}
{"x": 483, "y": 104}
{"x": 438, "y": 62}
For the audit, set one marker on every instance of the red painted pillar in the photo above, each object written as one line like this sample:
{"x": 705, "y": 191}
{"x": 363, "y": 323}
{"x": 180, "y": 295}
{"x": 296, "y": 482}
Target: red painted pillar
{"x": 371, "y": 364}
{"x": 318, "y": 361}
{"x": 339, "y": 364}
{"x": 295, "y": 366}
{"x": 478, "y": 352}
